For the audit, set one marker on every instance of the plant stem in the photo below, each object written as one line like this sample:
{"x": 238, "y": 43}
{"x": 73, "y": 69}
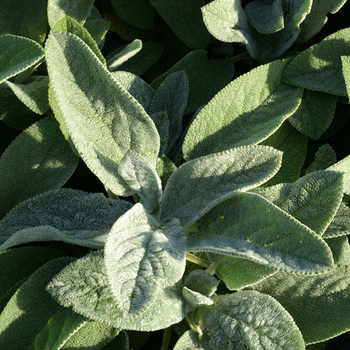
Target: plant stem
{"x": 240, "y": 57}
{"x": 197, "y": 260}
{"x": 166, "y": 338}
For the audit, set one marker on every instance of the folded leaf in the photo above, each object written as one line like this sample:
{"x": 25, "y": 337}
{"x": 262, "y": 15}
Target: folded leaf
{"x": 251, "y": 318}
{"x": 200, "y": 184}
{"x": 250, "y": 227}
{"x": 202, "y": 282}
{"x": 319, "y": 67}
{"x": 62, "y": 215}
{"x": 103, "y": 120}
{"x": 84, "y": 286}
{"x": 38, "y": 160}
{"x": 30, "y": 308}
{"x": 319, "y": 304}
{"x": 123, "y": 55}
{"x": 17, "y": 54}
{"x": 246, "y": 111}
{"x": 141, "y": 258}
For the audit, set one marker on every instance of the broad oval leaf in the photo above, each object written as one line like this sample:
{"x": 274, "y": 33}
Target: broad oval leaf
{"x": 250, "y": 227}
{"x": 84, "y": 286}
{"x": 246, "y": 111}
{"x": 103, "y": 120}
{"x": 38, "y": 160}
{"x": 30, "y": 308}
{"x": 254, "y": 319}
{"x": 17, "y": 54}
{"x": 319, "y": 304}
{"x": 319, "y": 68}
{"x": 141, "y": 258}
{"x": 65, "y": 215}
{"x": 200, "y": 184}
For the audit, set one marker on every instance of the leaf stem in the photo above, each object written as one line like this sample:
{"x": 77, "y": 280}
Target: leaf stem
{"x": 166, "y": 338}
{"x": 240, "y": 57}
{"x": 193, "y": 327}
{"x": 197, "y": 260}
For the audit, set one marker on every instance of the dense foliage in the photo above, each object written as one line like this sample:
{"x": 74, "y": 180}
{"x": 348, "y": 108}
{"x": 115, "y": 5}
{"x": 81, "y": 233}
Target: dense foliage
{"x": 174, "y": 174}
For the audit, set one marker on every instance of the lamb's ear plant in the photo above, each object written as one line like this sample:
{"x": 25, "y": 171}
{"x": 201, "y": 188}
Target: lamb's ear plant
{"x": 224, "y": 220}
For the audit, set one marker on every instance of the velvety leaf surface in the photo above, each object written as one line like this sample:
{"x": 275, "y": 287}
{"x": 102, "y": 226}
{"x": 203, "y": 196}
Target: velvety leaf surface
{"x": 294, "y": 147}
{"x": 185, "y": 19}
{"x": 57, "y": 9}
{"x": 137, "y": 87}
{"x": 137, "y": 13}
{"x": 340, "y": 225}
{"x": 30, "y": 21}
{"x": 38, "y": 160}
{"x": 30, "y": 308}
{"x": 17, "y": 54}
{"x": 344, "y": 167}
{"x": 314, "y": 114}
{"x": 256, "y": 320}
{"x": 98, "y": 28}
{"x": 346, "y": 72}
{"x": 202, "y": 282}
{"x": 195, "y": 299}
{"x": 319, "y": 304}
{"x": 70, "y": 25}
{"x": 65, "y": 215}
{"x": 238, "y": 228}
{"x": 205, "y": 77}
{"x": 34, "y": 94}
{"x": 324, "y": 158}
{"x": 319, "y": 67}
{"x": 246, "y": 111}
{"x": 103, "y": 120}
{"x": 171, "y": 96}
{"x": 121, "y": 342}
{"x": 153, "y": 257}
{"x": 121, "y": 56}
{"x": 84, "y": 286}
{"x": 20, "y": 264}
{"x": 189, "y": 341}
{"x": 200, "y": 184}
{"x": 340, "y": 249}
{"x": 142, "y": 179}
{"x": 161, "y": 121}
{"x": 165, "y": 168}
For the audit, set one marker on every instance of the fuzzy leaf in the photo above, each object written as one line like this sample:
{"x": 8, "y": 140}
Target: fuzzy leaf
{"x": 33, "y": 94}
{"x": 171, "y": 97}
{"x": 314, "y": 114}
{"x": 103, "y": 120}
{"x": 319, "y": 304}
{"x": 142, "y": 258}
{"x": 266, "y": 18}
{"x": 294, "y": 147}
{"x": 84, "y": 286}
{"x": 185, "y": 19}
{"x": 344, "y": 167}
{"x": 161, "y": 121}
{"x": 250, "y": 227}
{"x": 202, "y": 282}
{"x": 196, "y": 299}
{"x": 70, "y": 25}
{"x": 30, "y": 308}
{"x": 256, "y": 320}
{"x": 324, "y": 158}
{"x": 38, "y": 160}
{"x": 189, "y": 341}
{"x": 137, "y": 13}
{"x": 205, "y": 77}
{"x": 165, "y": 168}
{"x": 246, "y": 111}
{"x": 137, "y": 87}
{"x": 130, "y": 50}
{"x": 340, "y": 226}
{"x": 200, "y": 184}
{"x": 142, "y": 179}
{"x": 20, "y": 264}
{"x": 57, "y": 9}
{"x": 17, "y": 54}
{"x": 98, "y": 28}
{"x": 319, "y": 68}
{"x": 345, "y": 60}
{"x": 64, "y": 215}
{"x": 340, "y": 249}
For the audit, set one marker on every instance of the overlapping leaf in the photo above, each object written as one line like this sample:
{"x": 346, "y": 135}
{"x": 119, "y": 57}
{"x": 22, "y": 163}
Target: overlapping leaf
{"x": 153, "y": 257}
{"x": 122, "y": 55}
{"x": 246, "y": 111}
{"x": 38, "y": 160}
{"x": 65, "y": 215}
{"x": 248, "y": 226}
{"x": 84, "y": 286}
{"x": 103, "y": 120}
{"x": 200, "y": 184}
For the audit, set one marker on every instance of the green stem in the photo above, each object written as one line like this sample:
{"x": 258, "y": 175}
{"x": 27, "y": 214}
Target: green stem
{"x": 240, "y": 57}
{"x": 166, "y": 338}
{"x": 197, "y": 260}
{"x": 193, "y": 327}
